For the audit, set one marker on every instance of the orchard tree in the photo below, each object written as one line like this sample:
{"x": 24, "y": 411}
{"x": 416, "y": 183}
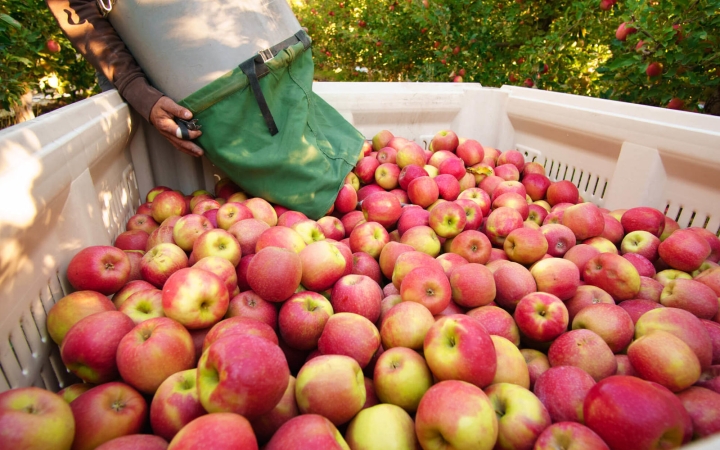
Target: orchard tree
{"x": 37, "y": 58}
{"x": 565, "y": 46}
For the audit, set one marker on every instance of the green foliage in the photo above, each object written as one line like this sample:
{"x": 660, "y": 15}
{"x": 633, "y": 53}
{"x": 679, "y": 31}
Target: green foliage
{"x": 512, "y": 42}
{"x": 27, "y": 64}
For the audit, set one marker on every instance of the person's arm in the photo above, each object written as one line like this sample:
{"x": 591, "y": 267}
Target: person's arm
{"x": 96, "y": 39}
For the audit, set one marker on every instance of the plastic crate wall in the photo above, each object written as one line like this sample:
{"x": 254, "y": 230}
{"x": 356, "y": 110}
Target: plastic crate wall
{"x": 71, "y": 184}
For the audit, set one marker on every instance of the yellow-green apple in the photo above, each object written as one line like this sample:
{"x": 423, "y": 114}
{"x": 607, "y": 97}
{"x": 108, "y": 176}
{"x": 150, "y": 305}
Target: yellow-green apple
{"x": 711, "y": 239}
{"x": 143, "y": 305}
{"x": 405, "y": 325}
{"x": 205, "y": 205}
{"x": 585, "y": 220}
{"x": 274, "y": 273}
{"x": 351, "y": 335}
{"x": 480, "y": 197}
{"x": 221, "y": 431}
{"x": 472, "y": 245}
{"x": 511, "y": 365}
{"x": 609, "y": 321}
{"x": 307, "y": 431}
{"x": 457, "y": 414}
{"x": 541, "y": 316}
{"x": 613, "y": 274}
{"x": 106, "y": 412}
{"x": 70, "y": 393}
{"x": 637, "y": 307}
{"x": 250, "y": 305}
{"x": 586, "y": 295}
{"x": 563, "y": 191}
{"x": 665, "y": 359}
{"x": 34, "y": 418}
{"x": 267, "y": 424}
{"x": 322, "y": 265}
{"x": 684, "y": 250}
{"x": 650, "y": 289}
{"x": 331, "y": 227}
{"x": 262, "y": 210}
{"x": 642, "y": 243}
{"x": 364, "y": 264}
{"x": 132, "y": 240}
{"x": 357, "y": 294}
{"x": 512, "y": 282}
{"x": 175, "y": 404}
{"x": 643, "y": 218}
{"x": 556, "y": 276}
{"x": 381, "y": 139}
{"x": 152, "y": 351}
{"x": 472, "y": 285}
{"x": 168, "y": 203}
{"x": 525, "y": 246}
{"x": 704, "y": 267}
{"x": 691, "y": 296}
{"x": 643, "y": 415}
{"x": 536, "y": 215}
{"x": 602, "y": 244}
{"x": 500, "y": 223}
{"x": 583, "y": 349}
{"x": 444, "y": 140}
{"x": 239, "y": 326}
{"x": 408, "y": 154}
{"x": 560, "y": 239}
{"x": 142, "y": 222}
{"x": 100, "y": 268}
{"x": 71, "y": 309}
{"x": 520, "y": 414}
{"x": 537, "y": 364}
{"x": 428, "y": 286}
{"x": 161, "y": 261}
{"x": 233, "y": 375}
{"x": 135, "y": 441}
{"x": 423, "y": 239}
{"x": 447, "y": 219}
{"x": 369, "y": 237}
{"x": 163, "y": 234}
{"x": 194, "y": 297}
{"x": 372, "y": 427}
{"x": 536, "y": 185}
{"x": 401, "y": 377}
{"x": 683, "y": 325}
{"x": 506, "y": 172}
{"x": 703, "y": 405}
{"x": 220, "y": 267}
{"x": 667, "y": 275}
{"x": 458, "y": 347}
{"x": 613, "y": 230}
{"x": 448, "y": 187}
{"x": 309, "y": 230}
{"x": 247, "y": 232}
{"x": 423, "y": 191}
{"x": 569, "y": 436}
{"x": 89, "y": 347}
{"x": 386, "y": 175}
{"x": 407, "y": 261}
{"x": 365, "y": 169}
{"x": 217, "y": 242}
{"x": 302, "y": 319}
{"x": 231, "y": 213}
{"x": 332, "y": 386}
{"x": 497, "y": 322}
{"x": 580, "y": 254}
{"x": 562, "y": 390}
{"x": 643, "y": 265}
{"x": 283, "y": 237}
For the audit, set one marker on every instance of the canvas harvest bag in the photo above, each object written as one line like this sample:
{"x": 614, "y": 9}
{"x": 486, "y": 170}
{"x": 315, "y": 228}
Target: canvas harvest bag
{"x": 304, "y": 165}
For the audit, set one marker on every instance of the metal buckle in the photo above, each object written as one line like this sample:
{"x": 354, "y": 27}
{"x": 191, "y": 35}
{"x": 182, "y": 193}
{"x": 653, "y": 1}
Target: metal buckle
{"x": 105, "y": 7}
{"x": 266, "y": 55}
{"x": 191, "y": 125}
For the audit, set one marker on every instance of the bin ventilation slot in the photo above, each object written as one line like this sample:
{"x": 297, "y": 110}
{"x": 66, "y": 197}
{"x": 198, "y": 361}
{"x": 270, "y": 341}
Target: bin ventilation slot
{"x": 4, "y": 382}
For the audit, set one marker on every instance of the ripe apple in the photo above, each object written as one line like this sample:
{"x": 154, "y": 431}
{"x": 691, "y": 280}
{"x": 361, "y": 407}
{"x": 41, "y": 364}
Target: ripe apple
{"x": 423, "y": 239}
{"x": 194, "y": 297}
{"x": 364, "y": 264}
{"x": 562, "y": 390}
{"x": 624, "y": 30}
{"x": 357, "y": 294}
{"x": 409, "y": 173}
{"x": 472, "y": 285}
{"x": 500, "y": 223}
{"x": 512, "y": 283}
{"x": 585, "y": 220}
{"x": 168, "y": 203}
{"x": 536, "y": 185}
{"x": 570, "y": 435}
{"x": 71, "y": 309}
{"x": 583, "y": 349}
{"x": 100, "y": 268}
{"x": 408, "y": 261}
{"x": 541, "y": 316}
{"x": 470, "y": 151}
{"x": 351, "y": 335}
{"x": 275, "y": 273}
{"x": 684, "y": 250}
{"x": 219, "y": 431}
{"x": 611, "y": 322}
{"x": 472, "y": 245}
{"x": 402, "y": 377}
{"x": 239, "y": 326}
{"x": 307, "y": 431}
{"x": 563, "y": 191}
{"x": 453, "y": 343}
{"x": 34, "y": 418}
{"x": 322, "y": 265}
{"x": 143, "y": 305}
{"x": 703, "y": 405}
{"x": 331, "y": 227}
{"x": 218, "y": 242}
{"x": 162, "y": 261}
{"x": 267, "y": 424}
{"x": 405, "y": 325}
{"x": 175, "y": 404}
{"x": 521, "y": 415}
{"x": 444, "y": 140}
{"x": 262, "y": 210}
{"x": 427, "y": 286}
{"x": 106, "y": 412}
{"x": 692, "y": 296}
{"x": 458, "y": 414}
{"x": 369, "y": 237}
{"x": 371, "y": 427}
{"x": 497, "y": 322}
{"x": 506, "y": 172}
{"x": 614, "y": 274}
{"x": 447, "y": 219}
{"x": 247, "y": 232}
{"x": 654, "y": 69}
{"x": 511, "y": 365}
{"x": 665, "y": 359}
{"x": 556, "y": 276}
{"x": 423, "y": 191}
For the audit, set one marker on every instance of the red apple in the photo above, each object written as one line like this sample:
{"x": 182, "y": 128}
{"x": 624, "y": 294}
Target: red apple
{"x": 168, "y": 203}
{"x": 665, "y": 359}
{"x": 72, "y": 308}
{"x": 570, "y": 435}
{"x": 100, "y": 268}
{"x": 562, "y": 192}
{"x": 307, "y": 431}
{"x": 614, "y": 274}
{"x": 194, "y": 297}
{"x": 357, "y": 294}
{"x": 583, "y": 349}
{"x": 684, "y": 250}
{"x": 562, "y": 390}
{"x": 221, "y": 431}
{"x": 611, "y": 322}
{"x": 541, "y": 316}
{"x": 351, "y": 335}
{"x": 275, "y": 273}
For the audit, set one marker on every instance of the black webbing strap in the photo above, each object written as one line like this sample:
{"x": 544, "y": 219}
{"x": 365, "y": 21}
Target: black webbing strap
{"x": 255, "y": 68}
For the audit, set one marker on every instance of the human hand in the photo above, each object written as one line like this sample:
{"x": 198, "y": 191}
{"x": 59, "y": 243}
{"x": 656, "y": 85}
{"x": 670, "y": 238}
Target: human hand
{"x": 161, "y": 117}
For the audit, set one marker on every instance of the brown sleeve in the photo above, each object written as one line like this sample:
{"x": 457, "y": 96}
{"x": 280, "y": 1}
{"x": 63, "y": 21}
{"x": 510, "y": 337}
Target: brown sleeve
{"x": 96, "y": 39}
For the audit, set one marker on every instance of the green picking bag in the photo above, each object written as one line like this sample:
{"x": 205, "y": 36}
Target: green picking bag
{"x": 304, "y": 165}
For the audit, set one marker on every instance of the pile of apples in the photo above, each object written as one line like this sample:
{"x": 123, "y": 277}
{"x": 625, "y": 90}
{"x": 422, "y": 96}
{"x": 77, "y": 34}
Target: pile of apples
{"x": 451, "y": 298}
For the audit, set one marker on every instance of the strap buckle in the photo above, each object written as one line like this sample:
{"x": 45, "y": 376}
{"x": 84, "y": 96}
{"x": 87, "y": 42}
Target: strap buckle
{"x": 105, "y": 7}
{"x": 266, "y": 55}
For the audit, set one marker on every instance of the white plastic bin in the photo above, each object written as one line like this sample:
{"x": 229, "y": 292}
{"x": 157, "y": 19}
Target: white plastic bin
{"x": 73, "y": 177}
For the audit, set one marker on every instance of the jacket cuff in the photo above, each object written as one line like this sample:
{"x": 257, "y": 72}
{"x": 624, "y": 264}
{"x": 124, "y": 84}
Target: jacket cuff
{"x": 141, "y": 96}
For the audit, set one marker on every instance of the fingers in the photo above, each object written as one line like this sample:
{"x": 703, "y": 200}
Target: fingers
{"x": 186, "y": 147}
{"x": 175, "y": 110}
{"x": 162, "y": 117}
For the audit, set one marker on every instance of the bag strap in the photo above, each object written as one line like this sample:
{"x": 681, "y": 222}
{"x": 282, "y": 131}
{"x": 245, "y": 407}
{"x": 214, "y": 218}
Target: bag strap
{"x": 255, "y": 68}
